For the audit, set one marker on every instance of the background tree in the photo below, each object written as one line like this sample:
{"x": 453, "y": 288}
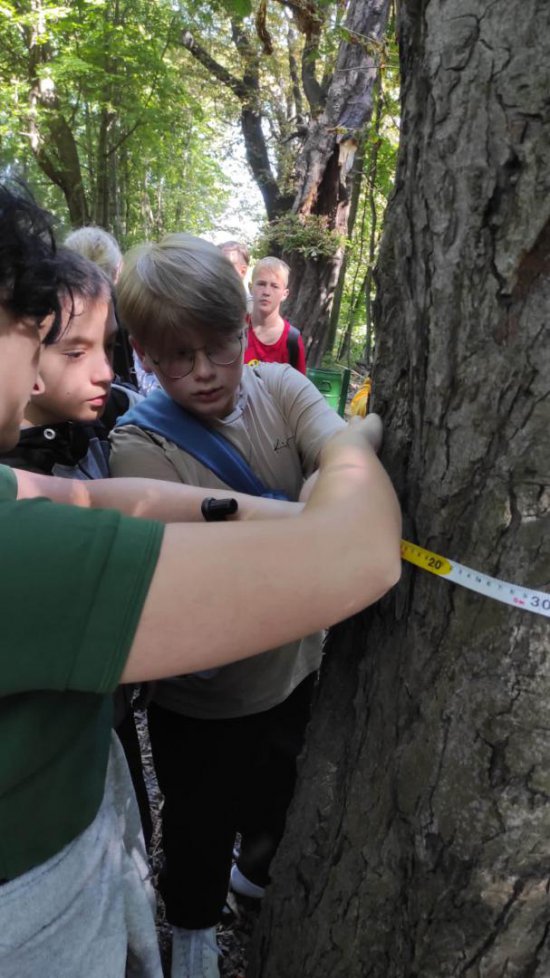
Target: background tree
{"x": 91, "y": 99}
{"x": 321, "y": 110}
{"x": 418, "y": 844}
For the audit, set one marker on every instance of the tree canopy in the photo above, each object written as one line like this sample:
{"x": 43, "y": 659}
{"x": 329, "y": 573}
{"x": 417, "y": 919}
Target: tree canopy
{"x": 92, "y": 101}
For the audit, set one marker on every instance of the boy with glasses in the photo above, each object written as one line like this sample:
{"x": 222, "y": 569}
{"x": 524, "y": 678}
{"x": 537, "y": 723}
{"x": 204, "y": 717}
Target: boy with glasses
{"x": 224, "y": 742}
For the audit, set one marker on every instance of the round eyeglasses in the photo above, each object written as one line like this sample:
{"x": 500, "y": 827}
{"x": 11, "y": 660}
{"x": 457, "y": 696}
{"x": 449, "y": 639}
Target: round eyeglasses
{"x": 174, "y": 366}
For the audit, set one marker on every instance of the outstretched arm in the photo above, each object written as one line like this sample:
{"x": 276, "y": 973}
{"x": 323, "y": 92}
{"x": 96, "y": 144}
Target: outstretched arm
{"x": 168, "y": 502}
{"x": 221, "y": 593}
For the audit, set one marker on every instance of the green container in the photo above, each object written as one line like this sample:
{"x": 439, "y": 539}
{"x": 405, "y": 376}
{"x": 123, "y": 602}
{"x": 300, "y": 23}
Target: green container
{"x": 333, "y": 385}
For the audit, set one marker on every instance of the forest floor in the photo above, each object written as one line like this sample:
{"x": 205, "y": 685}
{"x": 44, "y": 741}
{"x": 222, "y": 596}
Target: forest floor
{"x": 240, "y": 915}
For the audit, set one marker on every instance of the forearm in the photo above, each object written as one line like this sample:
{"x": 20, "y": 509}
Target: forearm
{"x": 168, "y": 502}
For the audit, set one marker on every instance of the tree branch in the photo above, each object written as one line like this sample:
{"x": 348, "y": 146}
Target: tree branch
{"x": 293, "y": 71}
{"x": 312, "y": 88}
{"x": 309, "y": 20}
{"x": 212, "y": 66}
{"x": 247, "y": 91}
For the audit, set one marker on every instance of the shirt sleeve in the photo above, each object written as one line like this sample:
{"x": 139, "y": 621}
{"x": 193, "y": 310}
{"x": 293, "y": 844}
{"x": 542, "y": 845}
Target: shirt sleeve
{"x": 72, "y": 593}
{"x": 306, "y": 411}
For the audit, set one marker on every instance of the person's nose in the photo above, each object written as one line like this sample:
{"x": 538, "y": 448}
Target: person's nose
{"x": 103, "y": 372}
{"x": 203, "y": 367}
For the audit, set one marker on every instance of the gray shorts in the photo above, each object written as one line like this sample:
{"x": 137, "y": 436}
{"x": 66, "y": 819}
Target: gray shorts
{"x": 89, "y": 911}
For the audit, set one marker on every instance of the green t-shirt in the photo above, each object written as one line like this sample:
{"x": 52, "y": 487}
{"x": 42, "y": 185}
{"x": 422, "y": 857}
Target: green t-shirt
{"x": 73, "y": 586}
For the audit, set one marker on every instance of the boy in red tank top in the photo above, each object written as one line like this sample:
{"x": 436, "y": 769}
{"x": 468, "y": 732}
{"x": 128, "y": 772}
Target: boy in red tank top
{"x": 271, "y": 338}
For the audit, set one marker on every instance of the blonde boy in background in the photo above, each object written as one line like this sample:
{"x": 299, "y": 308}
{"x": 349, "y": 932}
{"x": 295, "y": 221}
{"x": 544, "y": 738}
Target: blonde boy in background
{"x": 271, "y": 338}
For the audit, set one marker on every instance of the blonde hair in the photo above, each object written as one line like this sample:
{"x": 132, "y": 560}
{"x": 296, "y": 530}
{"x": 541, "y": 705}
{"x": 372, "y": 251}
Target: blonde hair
{"x": 178, "y": 284}
{"x": 275, "y": 264}
{"x": 99, "y": 246}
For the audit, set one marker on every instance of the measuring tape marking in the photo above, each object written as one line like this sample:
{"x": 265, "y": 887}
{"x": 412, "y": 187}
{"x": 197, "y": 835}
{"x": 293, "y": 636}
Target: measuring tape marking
{"x": 515, "y": 595}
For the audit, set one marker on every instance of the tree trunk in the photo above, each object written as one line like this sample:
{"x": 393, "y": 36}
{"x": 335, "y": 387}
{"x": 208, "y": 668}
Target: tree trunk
{"x": 51, "y": 137}
{"x": 312, "y": 283}
{"x": 325, "y": 167}
{"x": 57, "y": 157}
{"x": 418, "y": 844}
{"x": 356, "y": 186}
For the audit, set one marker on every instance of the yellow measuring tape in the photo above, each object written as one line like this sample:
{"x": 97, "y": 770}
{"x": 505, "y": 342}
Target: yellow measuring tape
{"x": 512, "y": 594}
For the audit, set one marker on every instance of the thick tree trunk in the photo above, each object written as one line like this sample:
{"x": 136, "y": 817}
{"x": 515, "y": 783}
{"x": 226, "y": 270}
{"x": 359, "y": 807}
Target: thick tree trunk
{"x": 418, "y": 845}
{"x": 312, "y": 284}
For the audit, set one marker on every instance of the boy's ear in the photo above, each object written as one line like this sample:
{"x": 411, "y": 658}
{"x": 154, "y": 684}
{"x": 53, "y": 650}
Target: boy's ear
{"x": 285, "y": 295}
{"x": 145, "y": 361}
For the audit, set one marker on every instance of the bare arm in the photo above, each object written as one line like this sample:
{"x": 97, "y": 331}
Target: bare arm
{"x": 221, "y": 593}
{"x": 168, "y": 502}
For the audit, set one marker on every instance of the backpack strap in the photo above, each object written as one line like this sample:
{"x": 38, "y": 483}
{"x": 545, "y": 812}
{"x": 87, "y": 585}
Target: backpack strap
{"x": 160, "y": 414}
{"x": 292, "y": 345}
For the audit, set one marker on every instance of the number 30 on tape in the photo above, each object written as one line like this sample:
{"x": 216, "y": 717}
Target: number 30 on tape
{"x": 512, "y": 594}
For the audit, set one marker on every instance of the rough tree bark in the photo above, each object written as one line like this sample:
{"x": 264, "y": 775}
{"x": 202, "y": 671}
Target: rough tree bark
{"x": 418, "y": 845}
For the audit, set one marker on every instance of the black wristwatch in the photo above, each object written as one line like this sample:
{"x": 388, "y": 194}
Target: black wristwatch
{"x": 216, "y": 510}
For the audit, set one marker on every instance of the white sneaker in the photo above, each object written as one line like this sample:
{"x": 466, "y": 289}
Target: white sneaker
{"x": 240, "y": 884}
{"x": 194, "y": 953}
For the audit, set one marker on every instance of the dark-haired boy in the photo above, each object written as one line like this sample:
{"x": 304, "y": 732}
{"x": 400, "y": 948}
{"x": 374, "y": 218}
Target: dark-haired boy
{"x": 60, "y": 433}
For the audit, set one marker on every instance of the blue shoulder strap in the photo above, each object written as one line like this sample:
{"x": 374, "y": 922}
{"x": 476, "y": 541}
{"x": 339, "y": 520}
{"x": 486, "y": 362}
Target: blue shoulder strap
{"x": 159, "y": 413}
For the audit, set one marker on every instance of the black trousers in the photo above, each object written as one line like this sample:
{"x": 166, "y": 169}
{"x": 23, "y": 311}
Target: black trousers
{"x": 220, "y": 777}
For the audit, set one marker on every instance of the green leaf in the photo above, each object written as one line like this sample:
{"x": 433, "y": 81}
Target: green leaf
{"x": 237, "y": 8}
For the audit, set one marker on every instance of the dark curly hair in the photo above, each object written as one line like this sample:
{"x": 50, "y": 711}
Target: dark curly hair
{"x": 29, "y": 271}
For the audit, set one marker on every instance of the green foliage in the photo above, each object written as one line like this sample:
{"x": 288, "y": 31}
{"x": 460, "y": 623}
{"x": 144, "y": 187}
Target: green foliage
{"x": 237, "y": 8}
{"x": 308, "y": 236}
{"x": 147, "y": 154}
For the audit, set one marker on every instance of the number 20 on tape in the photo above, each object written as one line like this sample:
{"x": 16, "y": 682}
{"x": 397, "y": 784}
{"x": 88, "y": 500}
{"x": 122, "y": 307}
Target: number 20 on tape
{"x": 513, "y": 594}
